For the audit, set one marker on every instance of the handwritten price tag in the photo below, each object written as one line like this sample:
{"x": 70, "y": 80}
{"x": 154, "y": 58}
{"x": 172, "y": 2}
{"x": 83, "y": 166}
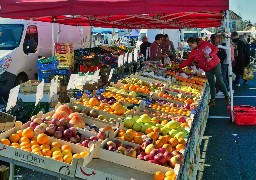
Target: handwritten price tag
{"x": 110, "y": 74}
{"x": 54, "y": 87}
{"x": 73, "y": 80}
{"x": 39, "y": 92}
{"x": 135, "y": 55}
{"x": 12, "y": 100}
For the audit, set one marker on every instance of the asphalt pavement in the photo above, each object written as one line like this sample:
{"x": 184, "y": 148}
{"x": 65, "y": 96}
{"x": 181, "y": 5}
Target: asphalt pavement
{"x": 228, "y": 150}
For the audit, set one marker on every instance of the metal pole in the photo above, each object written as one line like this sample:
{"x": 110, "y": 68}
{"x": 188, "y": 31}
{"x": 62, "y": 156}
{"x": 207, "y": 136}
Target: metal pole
{"x": 12, "y": 166}
{"x": 52, "y": 39}
{"x": 229, "y": 63}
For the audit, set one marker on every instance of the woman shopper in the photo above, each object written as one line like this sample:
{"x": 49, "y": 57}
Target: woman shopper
{"x": 205, "y": 54}
{"x": 222, "y": 55}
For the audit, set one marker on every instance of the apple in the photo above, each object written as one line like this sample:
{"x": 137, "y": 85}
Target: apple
{"x": 56, "y": 122}
{"x": 50, "y": 131}
{"x": 33, "y": 125}
{"x": 160, "y": 158}
{"x": 162, "y": 150}
{"x": 38, "y": 120}
{"x": 173, "y": 161}
{"x": 111, "y": 143}
{"x": 149, "y": 148}
{"x": 128, "y": 122}
{"x": 153, "y": 153}
{"x": 137, "y": 126}
{"x": 168, "y": 155}
{"x": 182, "y": 119}
{"x": 40, "y": 129}
{"x": 130, "y": 152}
{"x": 147, "y": 158}
{"x": 85, "y": 143}
{"x": 44, "y": 125}
{"x": 68, "y": 133}
{"x": 140, "y": 157}
{"x": 118, "y": 143}
{"x": 112, "y": 148}
{"x": 73, "y": 129}
{"x": 58, "y": 134}
{"x": 138, "y": 149}
{"x": 101, "y": 135}
{"x": 94, "y": 138}
{"x": 61, "y": 129}
{"x": 122, "y": 149}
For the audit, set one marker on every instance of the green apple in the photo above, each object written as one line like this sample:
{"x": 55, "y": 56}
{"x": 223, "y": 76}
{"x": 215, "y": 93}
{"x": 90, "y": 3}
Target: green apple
{"x": 172, "y": 124}
{"x": 128, "y": 122}
{"x": 144, "y": 127}
{"x": 173, "y": 132}
{"x": 136, "y": 117}
{"x": 159, "y": 125}
{"x": 145, "y": 118}
{"x": 180, "y": 135}
{"x": 165, "y": 131}
{"x": 137, "y": 126}
{"x": 133, "y": 94}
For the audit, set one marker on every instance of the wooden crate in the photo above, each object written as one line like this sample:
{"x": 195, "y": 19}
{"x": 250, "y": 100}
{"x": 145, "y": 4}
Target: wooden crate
{"x": 30, "y": 87}
{"x": 131, "y": 162}
{"x": 7, "y": 121}
{"x": 41, "y": 161}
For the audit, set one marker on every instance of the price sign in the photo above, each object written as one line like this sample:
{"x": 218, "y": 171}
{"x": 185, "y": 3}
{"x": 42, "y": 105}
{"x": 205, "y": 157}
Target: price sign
{"x": 125, "y": 57}
{"x": 39, "y": 92}
{"x": 110, "y": 74}
{"x": 73, "y": 81}
{"x": 130, "y": 58}
{"x": 54, "y": 87}
{"x": 135, "y": 55}
{"x": 12, "y": 100}
{"x": 120, "y": 60}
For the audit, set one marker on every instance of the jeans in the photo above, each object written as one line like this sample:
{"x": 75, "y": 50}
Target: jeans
{"x": 224, "y": 69}
{"x": 219, "y": 80}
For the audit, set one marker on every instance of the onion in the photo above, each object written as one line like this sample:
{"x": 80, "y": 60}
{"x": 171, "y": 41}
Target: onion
{"x": 39, "y": 129}
{"x": 58, "y": 134}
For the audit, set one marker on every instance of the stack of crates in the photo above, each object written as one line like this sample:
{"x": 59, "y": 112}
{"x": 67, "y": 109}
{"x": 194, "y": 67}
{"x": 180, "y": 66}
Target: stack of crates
{"x": 47, "y": 68}
{"x": 65, "y": 54}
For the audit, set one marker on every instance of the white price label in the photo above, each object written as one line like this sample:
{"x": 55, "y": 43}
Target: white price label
{"x": 54, "y": 88}
{"x": 135, "y": 55}
{"x": 12, "y": 100}
{"x": 125, "y": 57}
{"x": 110, "y": 74}
{"x": 120, "y": 60}
{"x": 130, "y": 58}
{"x": 73, "y": 81}
{"x": 39, "y": 92}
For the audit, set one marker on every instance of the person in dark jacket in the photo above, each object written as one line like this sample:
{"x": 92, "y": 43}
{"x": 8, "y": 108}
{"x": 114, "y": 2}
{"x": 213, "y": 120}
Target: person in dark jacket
{"x": 144, "y": 46}
{"x": 205, "y": 54}
{"x": 242, "y": 57}
{"x": 168, "y": 47}
{"x": 155, "y": 49}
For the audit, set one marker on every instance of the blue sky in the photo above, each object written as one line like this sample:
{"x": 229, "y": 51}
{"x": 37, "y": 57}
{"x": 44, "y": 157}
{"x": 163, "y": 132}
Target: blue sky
{"x": 245, "y": 8}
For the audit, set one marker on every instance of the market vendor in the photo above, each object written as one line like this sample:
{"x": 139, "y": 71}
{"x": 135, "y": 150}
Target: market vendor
{"x": 144, "y": 46}
{"x": 155, "y": 49}
{"x": 168, "y": 47}
{"x": 205, "y": 54}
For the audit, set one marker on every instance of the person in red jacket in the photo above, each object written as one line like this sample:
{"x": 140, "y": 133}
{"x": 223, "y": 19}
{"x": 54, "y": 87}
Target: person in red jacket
{"x": 155, "y": 49}
{"x": 205, "y": 54}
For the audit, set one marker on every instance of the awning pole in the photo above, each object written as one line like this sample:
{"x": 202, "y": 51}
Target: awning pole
{"x": 229, "y": 63}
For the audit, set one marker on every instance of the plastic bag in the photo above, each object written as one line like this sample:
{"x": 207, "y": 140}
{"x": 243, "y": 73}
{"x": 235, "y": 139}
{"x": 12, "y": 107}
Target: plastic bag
{"x": 248, "y": 73}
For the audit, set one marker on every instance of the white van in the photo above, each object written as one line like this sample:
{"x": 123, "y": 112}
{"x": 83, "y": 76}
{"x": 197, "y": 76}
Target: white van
{"x": 23, "y": 41}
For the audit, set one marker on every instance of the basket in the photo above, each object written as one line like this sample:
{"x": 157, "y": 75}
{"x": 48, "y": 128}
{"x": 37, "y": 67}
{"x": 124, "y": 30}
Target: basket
{"x": 244, "y": 114}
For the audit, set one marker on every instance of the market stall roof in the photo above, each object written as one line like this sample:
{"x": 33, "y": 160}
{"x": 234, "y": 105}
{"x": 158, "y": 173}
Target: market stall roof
{"x": 120, "y": 13}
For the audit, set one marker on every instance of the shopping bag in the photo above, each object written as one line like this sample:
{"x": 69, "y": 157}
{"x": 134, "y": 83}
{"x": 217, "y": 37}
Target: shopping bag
{"x": 248, "y": 73}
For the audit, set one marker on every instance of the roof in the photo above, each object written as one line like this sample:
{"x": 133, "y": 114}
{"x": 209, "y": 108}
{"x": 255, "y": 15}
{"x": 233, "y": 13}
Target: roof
{"x": 233, "y": 15}
{"x": 134, "y": 14}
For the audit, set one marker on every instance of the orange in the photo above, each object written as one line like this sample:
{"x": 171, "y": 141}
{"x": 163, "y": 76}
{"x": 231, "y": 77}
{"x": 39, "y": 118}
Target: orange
{"x": 163, "y": 139}
{"x": 58, "y": 158}
{"x": 168, "y": 147}
{"x": 84, "y": 154}
{"x": 121, "y": 134}
{"x": 180, "y": 147}
{"x": 174, "y": 142}
{"x": 43, "y": 139}
{"x": 57, "y": 153}
{"x": 46, "y": 152}
{"x": 19, "y": 132}
{"x": 33, "y": 138}
{"x": 131, "y": 131}
{"x": 15, "y": 144}
{"x": 28, "y": 132}
{"x": 66, "y": 152}
{"x": 56, "y": 144}
{"x": 160, "y": 94}
{"x": 138, "y": 140}
{"x": 128, "y": 136}
{"x": 55, "y": 149}
{"x": 153, "y": 135}
{"x": 68, "y": 159}
{"x": 158, "y": 144}
{"x": 24, "y": 139}
{"x": 170, "y": 174}
{"x": 182, "y": 141}
{"x": 45, "y": 146}
{"x": 77, "y": 156}
{"x": 35, "y": 146}
{"x": 94, "y": 101}
{"x": 66, "y": 147}
{"x": 169, "y": 178}
{"x": 26, "y": 144}
{"x": 36, "y": 151}
{"x": 159, "y": 175}
{"x": 149, "y": 130}
{"x": 26, "y": 148}
{"x": 5, "y": 141}
{"x": 14, "y": 138}
{"x": 33, "y": 143}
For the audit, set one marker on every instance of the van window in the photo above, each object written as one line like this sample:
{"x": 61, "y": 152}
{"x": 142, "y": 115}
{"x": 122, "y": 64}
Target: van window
{"x": 31, "y": 40}
{"x": 10, "y": 36}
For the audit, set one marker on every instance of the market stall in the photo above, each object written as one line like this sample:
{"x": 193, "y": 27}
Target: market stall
{"x": 137, "y": 99}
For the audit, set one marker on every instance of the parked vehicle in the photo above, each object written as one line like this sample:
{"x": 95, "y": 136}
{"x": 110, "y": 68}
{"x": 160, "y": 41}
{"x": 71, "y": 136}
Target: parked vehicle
{"x": 23, "y": 41}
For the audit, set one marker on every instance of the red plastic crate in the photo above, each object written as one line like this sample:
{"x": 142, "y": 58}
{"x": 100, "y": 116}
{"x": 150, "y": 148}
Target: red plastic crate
{"x": 244, "y": 114}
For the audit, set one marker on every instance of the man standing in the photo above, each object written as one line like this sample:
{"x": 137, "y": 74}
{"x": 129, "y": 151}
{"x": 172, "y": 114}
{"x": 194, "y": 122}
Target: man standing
{"x": 155, "y": 49}
{"x": 242, "y": 57}
{"x": 144, "y": 46}
{"x": 168, "y": 47}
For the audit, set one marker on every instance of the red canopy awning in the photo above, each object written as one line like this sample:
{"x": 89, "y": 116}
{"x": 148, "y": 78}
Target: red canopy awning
{"x": 120, "y": 13}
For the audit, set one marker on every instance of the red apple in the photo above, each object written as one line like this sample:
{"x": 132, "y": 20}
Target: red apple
{"x": 58, "y": 134}
{"x": 85, "y": 143}
{"x": 153, "y": 153}
{"x": 168, "y": 156}
{"x": 147, "y": 158}
{"x": 33, "y": 125}
{"x": 162, "y": 150}
{"x": 181, "y": 119}
{"x": 68, "y": 133}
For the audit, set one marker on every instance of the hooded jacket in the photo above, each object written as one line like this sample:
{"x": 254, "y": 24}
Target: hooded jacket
{"x": 197, "y": 55}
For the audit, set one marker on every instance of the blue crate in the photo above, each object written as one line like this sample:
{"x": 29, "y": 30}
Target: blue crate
{"x": 47, "y": 64}
{"x": 46, "y": 75}
{"x": 64, "y": 71}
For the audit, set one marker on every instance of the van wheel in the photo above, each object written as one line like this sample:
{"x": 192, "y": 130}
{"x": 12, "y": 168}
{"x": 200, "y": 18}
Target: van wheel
{"x": 21, "y": 79}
